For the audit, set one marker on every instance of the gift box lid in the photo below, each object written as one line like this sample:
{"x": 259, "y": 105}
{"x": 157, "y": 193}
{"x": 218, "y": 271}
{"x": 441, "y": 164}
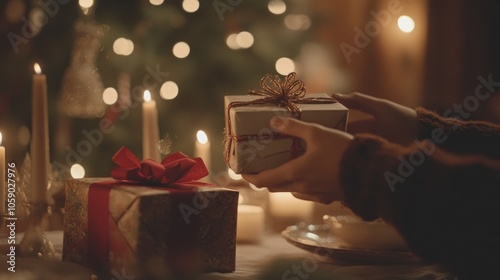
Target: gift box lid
{"x": 254, "y": 119}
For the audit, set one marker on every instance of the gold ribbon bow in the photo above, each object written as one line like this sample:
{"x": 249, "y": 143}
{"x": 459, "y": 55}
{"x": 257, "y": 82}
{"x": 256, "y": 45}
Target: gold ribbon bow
{"x": 287, "y": 93}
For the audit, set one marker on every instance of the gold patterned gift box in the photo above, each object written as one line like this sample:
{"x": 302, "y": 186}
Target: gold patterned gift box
{"x": 149, "y": 230}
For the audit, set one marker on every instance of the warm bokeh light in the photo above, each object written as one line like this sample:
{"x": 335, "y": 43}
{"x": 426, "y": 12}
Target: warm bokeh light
{"x": 181, "y": 50}
{"x": 240, "y": 199}
{"x": 244, "y": 39}
{"x": 277, "y": 7}
{"x": 406, "y": 24}
{"x": 231, "y": 41}
{"x": 37, "y": 68}
{"x": 293, "y": 22}
{"x": 169, "y": 90}
{"x": 306, "y": 22}
{"x": 190, "y": 6}
{"x": 77, "y": 171}
{"x": 147, "y": 96}
{"x": 233, "y": 175}
{"x": 86, "y": 3}
{"x": 297, "y": 22}
{"x": 285, "y": 66}
{"x": 156, "y": 2}
{"x": 23, "y": 135}
{"x": 1, "y": 139}
{"x": 123, "y": 46}
{"x": 15, "y": 10}
{"x": 202, "y": 137}
{"x": 37, "y": 18}
{"x": 110, "y": 96}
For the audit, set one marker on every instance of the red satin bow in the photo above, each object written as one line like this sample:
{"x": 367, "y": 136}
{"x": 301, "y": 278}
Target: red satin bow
{"x": 176, "y": 169}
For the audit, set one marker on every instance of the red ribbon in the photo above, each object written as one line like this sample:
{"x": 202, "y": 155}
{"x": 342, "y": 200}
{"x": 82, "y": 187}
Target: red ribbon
{"x": 176, "y": 171}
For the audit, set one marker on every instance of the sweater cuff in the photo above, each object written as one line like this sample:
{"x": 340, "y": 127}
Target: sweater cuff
{"x": 362, "y": 175}
{"x": 428, "y": 121}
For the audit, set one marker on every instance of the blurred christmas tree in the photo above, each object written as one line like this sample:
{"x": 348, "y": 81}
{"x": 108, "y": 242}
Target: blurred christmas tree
{"x": 189, "y": 54}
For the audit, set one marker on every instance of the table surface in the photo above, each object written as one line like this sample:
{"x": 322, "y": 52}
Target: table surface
{"x": 272, "y": 258}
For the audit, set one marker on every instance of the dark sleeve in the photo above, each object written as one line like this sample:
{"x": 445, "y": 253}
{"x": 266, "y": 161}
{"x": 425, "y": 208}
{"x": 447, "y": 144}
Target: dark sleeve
{"x": 457, "y": 136}
{"x": 445, "y": 206}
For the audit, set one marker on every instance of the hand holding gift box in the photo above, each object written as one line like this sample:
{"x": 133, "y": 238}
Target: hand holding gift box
{"x": 251, "y": 146}
{"x": 152, "y": 215}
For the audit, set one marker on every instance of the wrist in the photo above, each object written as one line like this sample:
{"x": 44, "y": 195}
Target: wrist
{"x": 361, "y": 176}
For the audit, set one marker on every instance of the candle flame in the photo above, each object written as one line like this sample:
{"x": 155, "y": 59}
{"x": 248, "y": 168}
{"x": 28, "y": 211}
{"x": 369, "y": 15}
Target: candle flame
{"x": 37, "y": 68}
{"x": 202, "y": 137}
{"x": 77, "y": 171}
{"x": 0, "y": 139}
{"x": 147, "y": 96}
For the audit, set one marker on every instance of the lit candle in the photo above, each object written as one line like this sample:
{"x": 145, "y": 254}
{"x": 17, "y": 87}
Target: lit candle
{"x": 150, "y": 133}
{"x": 286, "y": 206}
{"x": 40, "y": 139}
{"x": 202, "y": 148}
{"x": 250, "y": 224}
{"x": 2, "y": 177}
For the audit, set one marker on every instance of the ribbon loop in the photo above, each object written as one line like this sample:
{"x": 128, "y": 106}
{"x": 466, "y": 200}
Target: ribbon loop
{"x": 175, "y": 169}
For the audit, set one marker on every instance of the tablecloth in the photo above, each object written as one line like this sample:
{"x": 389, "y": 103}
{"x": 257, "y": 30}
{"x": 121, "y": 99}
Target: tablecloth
{"x": 273, "y": 258}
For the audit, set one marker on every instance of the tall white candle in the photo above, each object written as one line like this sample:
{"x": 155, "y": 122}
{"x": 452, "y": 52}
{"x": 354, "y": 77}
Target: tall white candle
{"x": 40, "y": 139}
{"x": 250, "y": 224}
{"x": 2, "y": 177}
{"x": 202, "y": 148}
{"x": 150, "y": 133}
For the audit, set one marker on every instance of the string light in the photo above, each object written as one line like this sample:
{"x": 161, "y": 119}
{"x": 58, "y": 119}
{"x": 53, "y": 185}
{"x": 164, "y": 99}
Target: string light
{"x": 169, "y": 90}
{"x": 244, "y": 39}
{"x": 406, "y": 24}
{"x": 285, "y": 66}
{"x": 190, "y": 6}
{"x": 110, "y": 96}
{"x": 181, "y": 50}
{"x": 123, "y": 46}
{"x": 277, "y": 7}
{"x": 297, "y": 22}
{"x": 86, "y": 4}
{"x": 231, "y": 41}
{"x": 156, "y": 2}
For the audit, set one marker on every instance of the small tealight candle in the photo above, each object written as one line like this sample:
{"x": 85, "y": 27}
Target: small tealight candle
{"x": 286, "y": 206}
{"x": 250, "y": 226}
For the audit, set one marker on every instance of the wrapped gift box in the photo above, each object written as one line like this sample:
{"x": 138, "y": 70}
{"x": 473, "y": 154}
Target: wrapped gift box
{"x": 153, "y": 230}
{"x": 262, "y": 152}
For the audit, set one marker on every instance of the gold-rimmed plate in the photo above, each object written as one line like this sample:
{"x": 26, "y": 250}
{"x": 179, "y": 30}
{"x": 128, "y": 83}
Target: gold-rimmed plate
{"x": 317, "y": 239}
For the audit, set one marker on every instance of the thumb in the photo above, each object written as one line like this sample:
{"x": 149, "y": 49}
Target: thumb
{"x": 289, "y": 126}
{"x": 359, "y": 101}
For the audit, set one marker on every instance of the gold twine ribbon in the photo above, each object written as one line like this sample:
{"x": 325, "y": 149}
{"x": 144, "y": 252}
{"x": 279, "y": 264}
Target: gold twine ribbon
{"x": 287, "y": 93}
